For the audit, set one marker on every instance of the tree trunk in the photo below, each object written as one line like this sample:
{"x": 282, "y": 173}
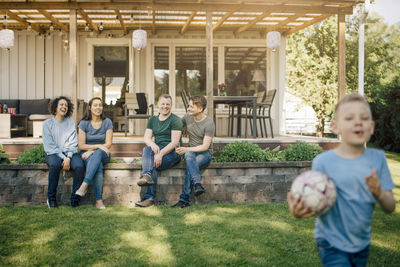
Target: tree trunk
{"x": 320, "y": 127}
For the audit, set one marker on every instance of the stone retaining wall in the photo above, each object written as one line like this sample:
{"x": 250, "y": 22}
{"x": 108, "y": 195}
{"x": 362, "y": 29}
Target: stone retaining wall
{"x": 224, "y": 182}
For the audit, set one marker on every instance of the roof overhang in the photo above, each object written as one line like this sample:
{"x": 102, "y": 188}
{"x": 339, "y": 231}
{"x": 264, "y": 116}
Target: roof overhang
{"x": 286, "y": 16}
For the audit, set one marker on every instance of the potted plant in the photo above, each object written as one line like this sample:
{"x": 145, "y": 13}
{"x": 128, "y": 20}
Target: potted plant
{"x": 222, "y": 88}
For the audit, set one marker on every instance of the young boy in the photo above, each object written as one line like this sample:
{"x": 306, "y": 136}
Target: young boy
{"x": 362, "y": 178}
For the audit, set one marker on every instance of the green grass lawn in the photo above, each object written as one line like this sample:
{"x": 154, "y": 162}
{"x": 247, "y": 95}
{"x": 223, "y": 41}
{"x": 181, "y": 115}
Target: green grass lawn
{"x": 201, "y": 235}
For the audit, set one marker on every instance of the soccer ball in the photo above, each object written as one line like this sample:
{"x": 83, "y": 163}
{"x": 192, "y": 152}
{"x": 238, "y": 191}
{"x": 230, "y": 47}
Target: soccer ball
{"x": 317, "y": 190}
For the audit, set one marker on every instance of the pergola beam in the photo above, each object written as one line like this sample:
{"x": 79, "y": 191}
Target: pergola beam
{"x": 221, "y": 21}
{"x": 121, "y": 21}
{"x": 170, "y": 6}
{"x": 251, "y": 23}
{"x": 88, "y": 20}
{"x": 19, "y": 19}
{"x": 188, "y": 21}
{"x": 153, "y": 25}
{"x": 306, "y": 24}
{"x": 55, "y": 21}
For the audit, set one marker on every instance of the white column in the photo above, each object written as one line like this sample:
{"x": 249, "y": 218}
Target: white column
{"x": 73, "y": 59}
{"x": 209, "y": 65}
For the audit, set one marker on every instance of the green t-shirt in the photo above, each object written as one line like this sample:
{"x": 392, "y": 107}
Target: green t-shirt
{"x": 162, "y": 129}
{"x": 197, "y": 130}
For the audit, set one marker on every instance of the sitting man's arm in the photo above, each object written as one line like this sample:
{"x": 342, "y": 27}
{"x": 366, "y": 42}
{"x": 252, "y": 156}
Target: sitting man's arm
{"x": 203, "y": 147}
{"x": 175, "y": 137}
{"x": 148, "y": 140}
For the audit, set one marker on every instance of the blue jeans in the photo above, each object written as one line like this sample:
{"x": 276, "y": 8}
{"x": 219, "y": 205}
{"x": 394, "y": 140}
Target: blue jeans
{"x": 94, "y": 171}
{"x": 54, "y": 162}
{"x": 194, "y": 162}
{"x": 332, "y": 257}
{"x": 168, "y": 161}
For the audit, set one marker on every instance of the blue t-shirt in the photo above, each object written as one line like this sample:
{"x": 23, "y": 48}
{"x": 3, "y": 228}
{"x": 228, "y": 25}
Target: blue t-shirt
{"x": 95, "y": 136}
{"x": 347, "y": 226}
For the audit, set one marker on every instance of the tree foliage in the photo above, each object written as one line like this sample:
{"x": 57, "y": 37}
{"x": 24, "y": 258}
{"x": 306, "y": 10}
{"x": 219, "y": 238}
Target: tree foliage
{"x": 312, "y": 68}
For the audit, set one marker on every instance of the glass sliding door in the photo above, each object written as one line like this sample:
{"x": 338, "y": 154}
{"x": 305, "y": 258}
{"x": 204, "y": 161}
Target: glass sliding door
{"x": 161, "y": 71}
{"x": 190, "y": 71}
{"x": 111, "y": 78}
{"x": 245, "y": 70}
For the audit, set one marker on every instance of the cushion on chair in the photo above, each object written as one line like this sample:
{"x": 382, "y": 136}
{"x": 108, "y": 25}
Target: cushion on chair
{"x": 39, "y": 117}
{"x": 142, "y": 102}
{"x": 35, "y": 106}
{"x": 11, "y": 103}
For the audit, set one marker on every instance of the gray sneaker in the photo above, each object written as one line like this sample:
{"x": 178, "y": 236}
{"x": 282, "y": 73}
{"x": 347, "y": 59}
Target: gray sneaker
{"x": 145, "y": 203}
{"x": 145, "y": 180}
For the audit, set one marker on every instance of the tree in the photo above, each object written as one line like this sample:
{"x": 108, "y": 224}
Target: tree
{"x": 312, "y": 68}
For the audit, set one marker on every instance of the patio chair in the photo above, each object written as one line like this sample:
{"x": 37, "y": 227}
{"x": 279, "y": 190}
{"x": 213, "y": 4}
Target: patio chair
{"x": 263, "y": 113}
{"x": 231, "y": 112}
{"x": 185, "y": 100}
{"x": 136, "y": 103}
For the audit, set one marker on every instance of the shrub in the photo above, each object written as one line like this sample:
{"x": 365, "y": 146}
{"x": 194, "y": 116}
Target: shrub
{"x": 385, "y": 107}
{"x": 35, "y": 154}
{"x": 301, "y": 151}
{"x": 274, "y": 154}
{"x": 4, "y": 157}
{"x": 241, "y": 152}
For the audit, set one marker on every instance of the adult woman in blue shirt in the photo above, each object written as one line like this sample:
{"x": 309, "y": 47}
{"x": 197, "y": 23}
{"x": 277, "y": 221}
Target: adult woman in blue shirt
{"x": 94, "y": 141}
{"x": 60, "y": 143}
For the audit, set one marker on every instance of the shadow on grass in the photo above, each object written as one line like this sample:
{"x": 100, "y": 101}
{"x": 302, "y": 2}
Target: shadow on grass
{"x": 201, "y": 235}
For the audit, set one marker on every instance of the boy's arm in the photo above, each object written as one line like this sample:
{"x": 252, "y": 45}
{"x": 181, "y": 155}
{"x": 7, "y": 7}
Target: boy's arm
{"x": 385, "y": 198}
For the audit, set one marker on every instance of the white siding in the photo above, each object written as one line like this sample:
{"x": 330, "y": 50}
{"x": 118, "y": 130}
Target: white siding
{"x": 22, "y": 67}
{"x": 39, "y": 70}
{"x": 30, "y": 67}
{"x": 5, "y": 73}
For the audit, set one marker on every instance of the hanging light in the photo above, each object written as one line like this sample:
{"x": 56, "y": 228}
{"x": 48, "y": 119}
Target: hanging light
{"x": 6, "y": 37}
{"x": 273, "y": 40}
{"x": 139, "y": 39}
{"x": 29, "y": 29}
{"x": 101, "y": 27}
{"x": 51, "y": 27}
{"x": 87, "y": 27}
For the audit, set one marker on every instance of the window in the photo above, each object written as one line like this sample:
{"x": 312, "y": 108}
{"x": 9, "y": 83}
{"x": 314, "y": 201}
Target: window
{"x": 245, "y": 70}
{"x": 190, "y": 72}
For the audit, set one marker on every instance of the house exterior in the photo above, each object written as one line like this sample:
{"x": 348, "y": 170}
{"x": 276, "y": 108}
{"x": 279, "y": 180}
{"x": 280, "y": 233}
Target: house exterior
{"x": 83, "y": 49}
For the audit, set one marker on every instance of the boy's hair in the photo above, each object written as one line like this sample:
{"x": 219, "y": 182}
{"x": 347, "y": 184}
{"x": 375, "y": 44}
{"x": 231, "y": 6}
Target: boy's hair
{"x": 200, "y": 101}
{"x": 353, "y": 97}
{"x": 54, "y": 104}
{"x": 166, "y": 96}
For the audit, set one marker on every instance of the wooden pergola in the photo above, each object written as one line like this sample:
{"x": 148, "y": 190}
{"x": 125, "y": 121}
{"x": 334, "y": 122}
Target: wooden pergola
{"x": 122, "y": 17}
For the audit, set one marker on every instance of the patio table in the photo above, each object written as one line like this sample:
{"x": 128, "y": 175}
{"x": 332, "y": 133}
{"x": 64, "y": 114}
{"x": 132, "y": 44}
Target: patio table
{"x": 239, "y": 101}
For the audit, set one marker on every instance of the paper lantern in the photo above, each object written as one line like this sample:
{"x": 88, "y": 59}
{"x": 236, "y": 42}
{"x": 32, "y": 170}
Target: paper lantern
{"x": 6, "y": 38}
{"x": 139, "y": 39}
{"x": 273, "y": 40}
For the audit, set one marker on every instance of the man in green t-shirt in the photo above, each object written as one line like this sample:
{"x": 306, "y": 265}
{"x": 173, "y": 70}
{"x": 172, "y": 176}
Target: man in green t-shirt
{"x": 201, "y": 130}
{"x": 159, "y": 154}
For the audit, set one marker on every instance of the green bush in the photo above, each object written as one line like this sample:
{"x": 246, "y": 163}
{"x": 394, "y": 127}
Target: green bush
{"x": 274, "y": 154}
{"x": 385, "y": 107}
{"x": 4, "y": 157}
{"x": 241, "y": 152}
{"x": 301, "y": 151}
{"x": 34, "y": 154}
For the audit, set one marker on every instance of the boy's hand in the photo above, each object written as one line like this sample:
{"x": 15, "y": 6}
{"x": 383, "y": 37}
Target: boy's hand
{"x": 297, "y": 207}
{"x": 374, "y": 185}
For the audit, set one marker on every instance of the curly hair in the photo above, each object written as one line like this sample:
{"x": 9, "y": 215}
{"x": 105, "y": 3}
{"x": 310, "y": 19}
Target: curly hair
{"x": 88, "y": 115}
{"x": 54, "y": 104}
